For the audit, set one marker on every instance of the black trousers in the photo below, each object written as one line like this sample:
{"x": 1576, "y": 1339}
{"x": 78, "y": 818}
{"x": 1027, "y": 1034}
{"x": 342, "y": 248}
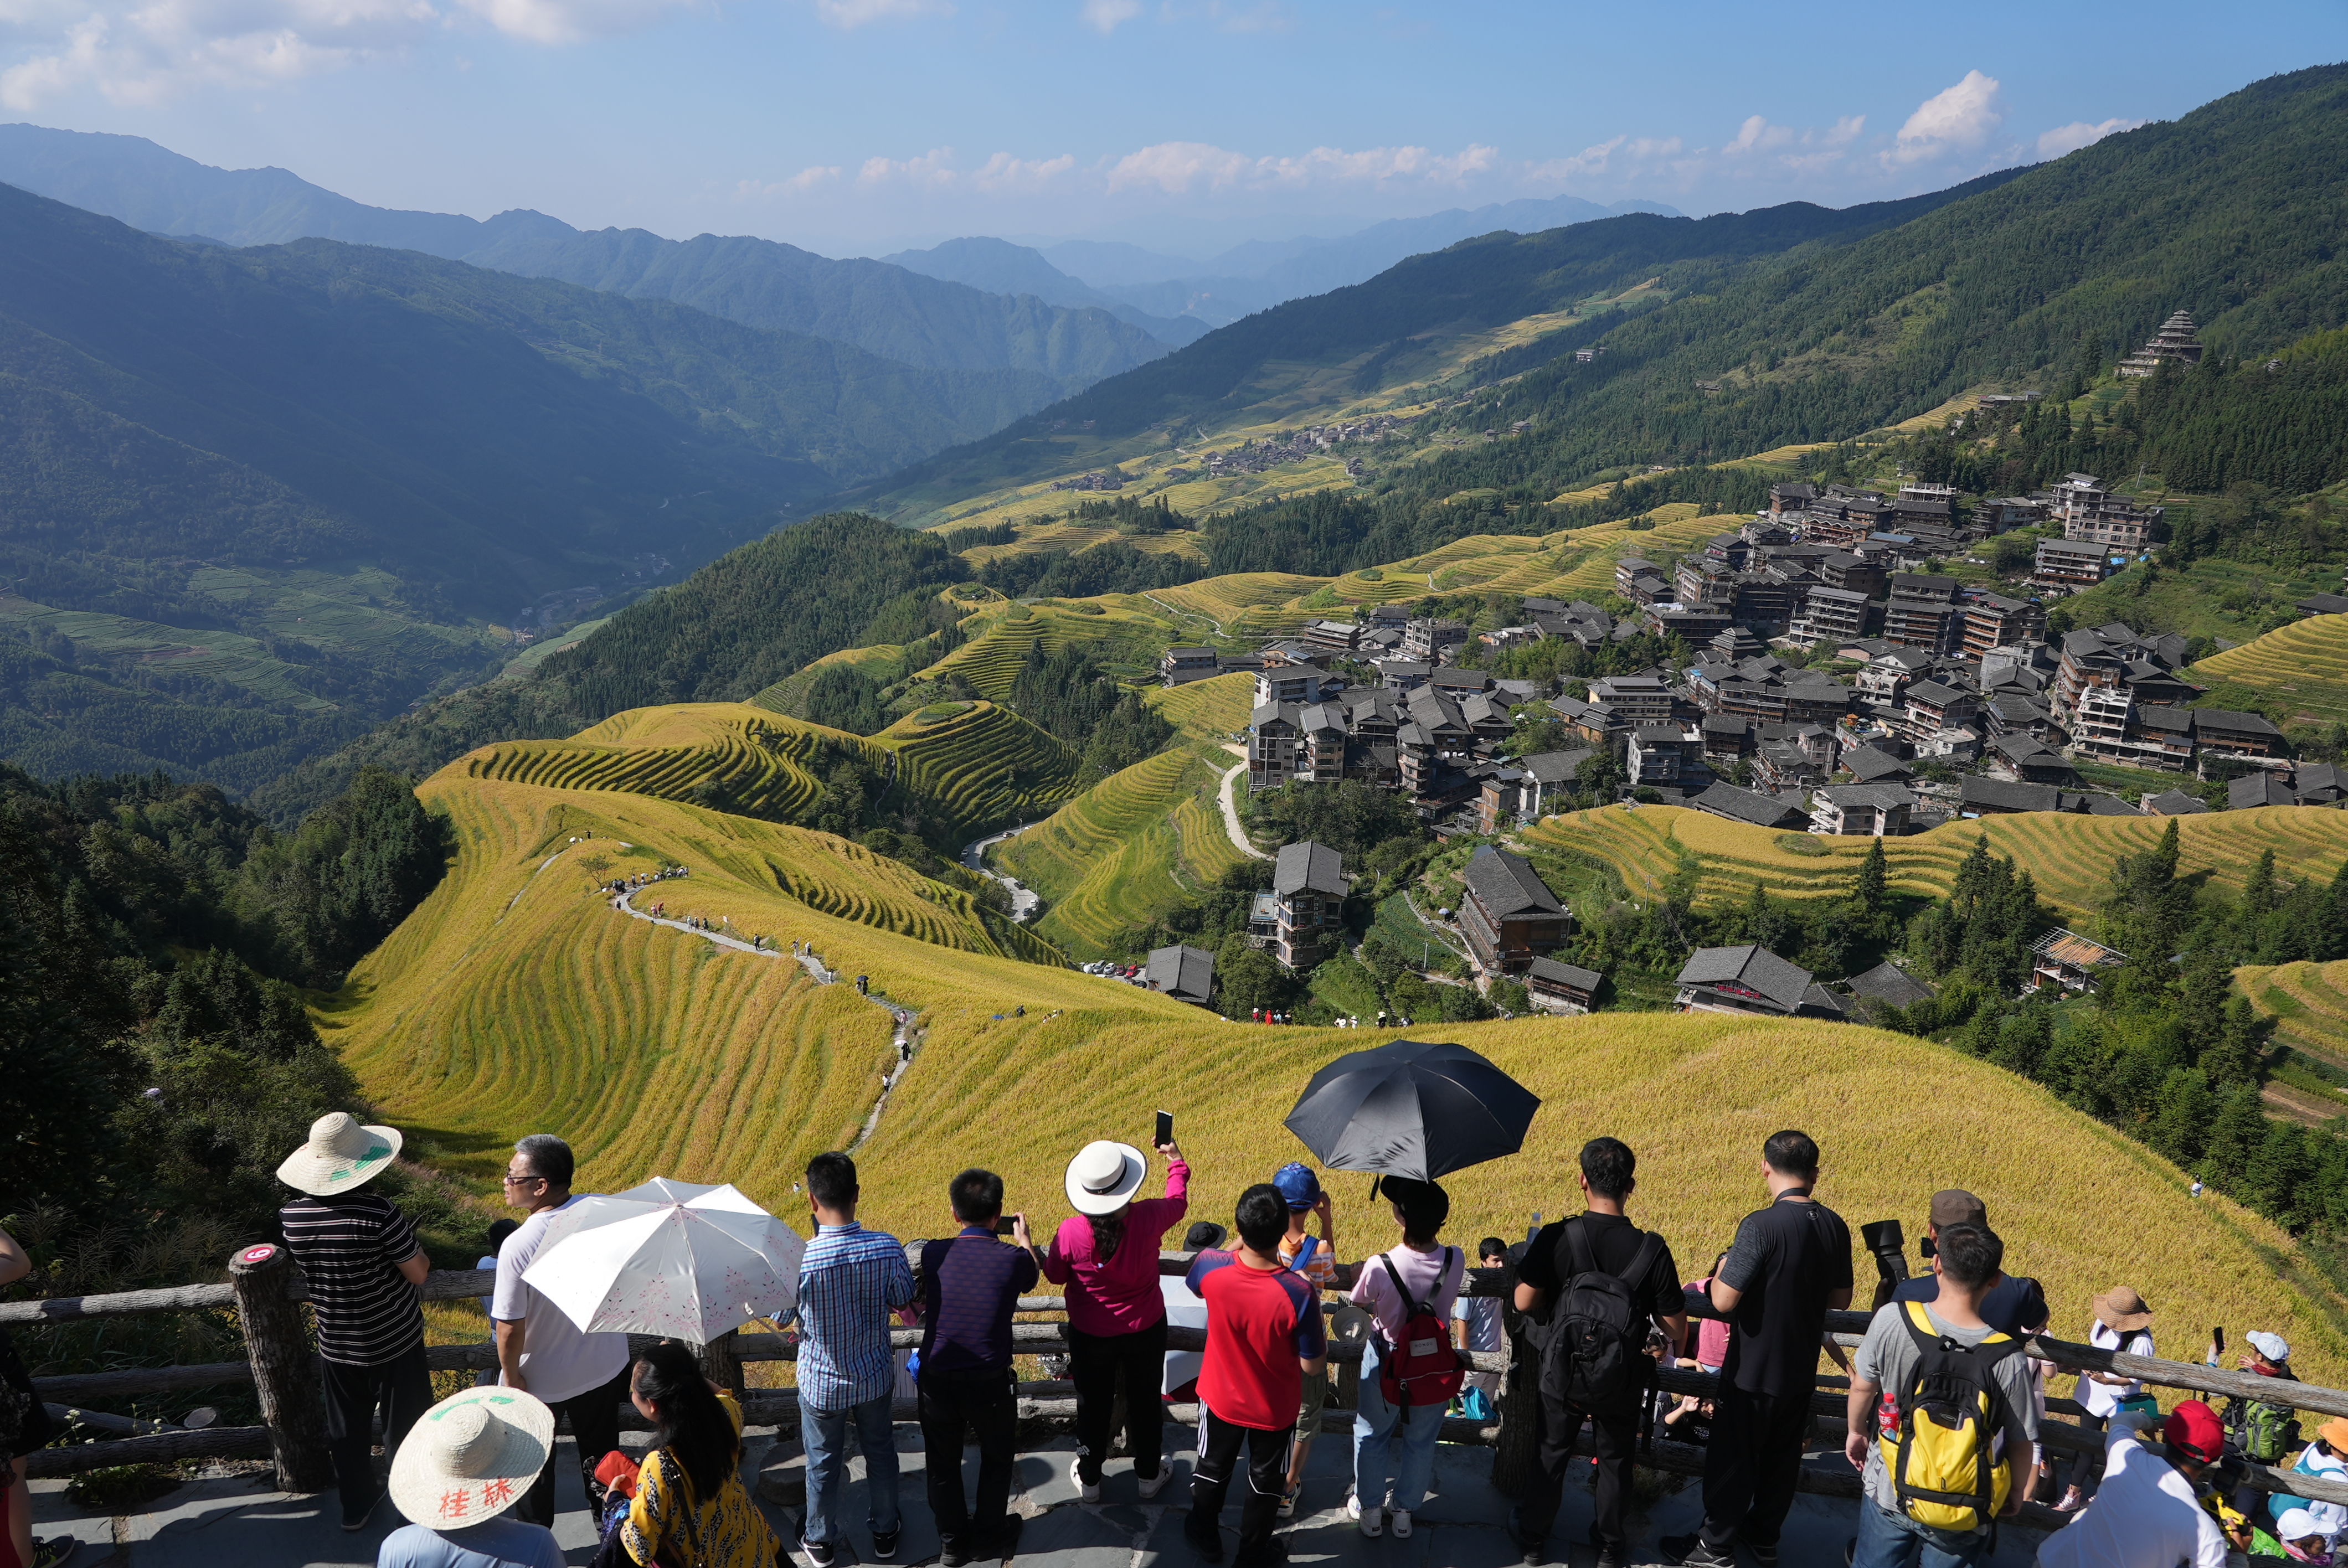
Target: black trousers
{"x": 1617, "y": 1437}
{"x": 1751, "y": 1465}
{"x": 594, "y": 1419}
{"x": 401, "y": 1387}
{"x": 1096, "y": 1362}
{"x": 980, "y": 1407}
{"x": 1219, "y": 1442}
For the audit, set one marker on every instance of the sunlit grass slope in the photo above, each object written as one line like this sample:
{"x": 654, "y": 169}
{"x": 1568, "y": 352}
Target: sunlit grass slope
{"x": 515, "y": 998}
{"x": 2304, "y": 664}
{"x": 1695, "y": 1095}
{"x": 1134, "y": 845}
{"x": 2308, "y": 1000}
{"x": 979, "y": 764}
{"x": 1119, "y": 639}
{"x": 1206, "y": 709}
{"x": 2071, "y": 856}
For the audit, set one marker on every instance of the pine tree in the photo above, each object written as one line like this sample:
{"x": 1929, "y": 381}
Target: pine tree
{"x": 1874, "y": 877}
{"x": 2234, "y": 1139}
{"x": 2182, "y": 1115}
{"x": 2279, "y": 1171}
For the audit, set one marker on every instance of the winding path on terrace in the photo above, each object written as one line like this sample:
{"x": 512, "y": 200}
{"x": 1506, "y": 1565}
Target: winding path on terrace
{"x": 1231, "y": 814}
{"x": 907, "y": 1038}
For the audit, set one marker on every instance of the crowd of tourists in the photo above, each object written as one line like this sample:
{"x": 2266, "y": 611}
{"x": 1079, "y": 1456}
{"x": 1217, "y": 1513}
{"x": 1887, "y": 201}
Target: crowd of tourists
{"x": 1944, "y": 1410}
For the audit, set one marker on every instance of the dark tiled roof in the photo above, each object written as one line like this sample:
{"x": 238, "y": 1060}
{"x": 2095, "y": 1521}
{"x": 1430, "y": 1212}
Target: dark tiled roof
{"x": 1507, "y": 884}
{"x": 1755, "y": 968}
{"x": 1746, "y": 806}
{"x": 2253, "y": 790}
{"x": 2227, "y": 718}
{"x": 2174, "y": 803}
{"x": 1182, "y": 972}
{"x": 1308, "y": 866}
{"x": 1550, "y": 969}
{"x": 1870, "y": 766}
{"x": 1555, "y": 767}
{"x": 1887, "y": 982}
{"x": 1978, "y": 790}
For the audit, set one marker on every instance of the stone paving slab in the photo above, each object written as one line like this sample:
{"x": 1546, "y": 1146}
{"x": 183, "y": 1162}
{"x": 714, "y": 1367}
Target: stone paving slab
{"x": 209, "y": 1523}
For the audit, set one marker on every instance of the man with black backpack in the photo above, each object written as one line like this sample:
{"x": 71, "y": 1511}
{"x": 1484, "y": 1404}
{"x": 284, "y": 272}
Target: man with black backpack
{"x": 1591, "y": 1288}
{"x": 1788, "y": 1267}
{"x": 1941, "y": 1417}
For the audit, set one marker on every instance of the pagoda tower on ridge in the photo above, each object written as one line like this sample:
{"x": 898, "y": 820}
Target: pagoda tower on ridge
{"x": 2178, "y": 340}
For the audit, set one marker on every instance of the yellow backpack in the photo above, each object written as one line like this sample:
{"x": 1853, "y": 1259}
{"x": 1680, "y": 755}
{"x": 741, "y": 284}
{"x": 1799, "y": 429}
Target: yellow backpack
{"x": 1942, "y": 1452}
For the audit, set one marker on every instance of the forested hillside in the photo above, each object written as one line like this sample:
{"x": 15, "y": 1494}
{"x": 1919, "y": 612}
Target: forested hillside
{"x": 253, "y": 502}
{"x": 881, "y": 309}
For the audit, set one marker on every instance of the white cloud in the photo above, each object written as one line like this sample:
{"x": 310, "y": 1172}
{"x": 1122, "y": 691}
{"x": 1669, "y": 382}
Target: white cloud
{"x": 850, "y": 14}
{"x": 569, "y": 21}
{"x": 1960, "y": 116}
{"x": 933, "y": 168}
{"x": 1176, "y": 168}
{"x": 1107, "y": 16}
{"x": 1006, "y": 175}
{"x": 2071, "y": 138}
{"x": 149, "y": 53}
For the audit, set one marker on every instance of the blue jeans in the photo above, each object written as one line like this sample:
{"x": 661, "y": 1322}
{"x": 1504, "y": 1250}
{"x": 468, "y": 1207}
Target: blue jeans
{"x": 824, "y": 1434}
{"x": 1889, "y": 1539}
{"x": 1382, "y": 1452}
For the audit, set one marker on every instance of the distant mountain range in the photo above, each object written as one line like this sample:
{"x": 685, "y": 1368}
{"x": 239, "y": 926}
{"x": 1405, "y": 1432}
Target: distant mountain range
{"x": 918, "y": 320}
{"x": 1248, "y": 277}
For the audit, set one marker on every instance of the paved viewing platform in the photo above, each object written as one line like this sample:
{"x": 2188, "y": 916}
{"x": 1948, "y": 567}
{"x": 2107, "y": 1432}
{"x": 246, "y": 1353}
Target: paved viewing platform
{"x": 242, "y": 1521}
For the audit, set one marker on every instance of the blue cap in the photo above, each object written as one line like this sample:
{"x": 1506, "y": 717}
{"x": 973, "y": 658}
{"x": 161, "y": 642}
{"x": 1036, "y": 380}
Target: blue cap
{"x": 1298, "y": 1186}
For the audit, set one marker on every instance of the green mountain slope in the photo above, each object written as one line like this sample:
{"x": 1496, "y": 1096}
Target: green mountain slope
{"x": 1476, "y": 285}
{"x": 882, "y": 309}
{"x": 253, "y": 501}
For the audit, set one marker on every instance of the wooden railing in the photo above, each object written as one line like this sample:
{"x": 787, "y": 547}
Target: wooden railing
{"x": 266, "y": 1291}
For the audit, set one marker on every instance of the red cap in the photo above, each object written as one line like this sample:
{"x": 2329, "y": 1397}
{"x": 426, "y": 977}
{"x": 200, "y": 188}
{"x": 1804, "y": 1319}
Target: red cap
{"x": 2194, "y": 1430}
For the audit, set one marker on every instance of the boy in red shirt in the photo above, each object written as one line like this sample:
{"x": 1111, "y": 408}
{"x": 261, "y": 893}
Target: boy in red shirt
{"x": 1264, "y": 1338}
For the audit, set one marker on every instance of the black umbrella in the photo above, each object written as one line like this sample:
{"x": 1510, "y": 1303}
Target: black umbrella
{"x": 1410, "y": 1109}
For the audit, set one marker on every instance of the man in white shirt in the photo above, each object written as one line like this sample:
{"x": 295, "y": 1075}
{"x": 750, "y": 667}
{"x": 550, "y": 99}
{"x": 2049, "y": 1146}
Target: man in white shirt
{"x": 2145, "y": 1514}
{"x": 540, "y": 1350}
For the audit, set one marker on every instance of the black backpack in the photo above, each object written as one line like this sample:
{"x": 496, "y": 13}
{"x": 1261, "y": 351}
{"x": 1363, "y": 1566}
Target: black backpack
{"x": 1594, "y": 1350}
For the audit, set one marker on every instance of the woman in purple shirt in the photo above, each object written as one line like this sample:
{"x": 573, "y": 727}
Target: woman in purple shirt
{"x": 1106, "y": 1255}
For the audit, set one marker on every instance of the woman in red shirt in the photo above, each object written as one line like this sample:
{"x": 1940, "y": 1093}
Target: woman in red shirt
{"x": 1106, "y": 1255}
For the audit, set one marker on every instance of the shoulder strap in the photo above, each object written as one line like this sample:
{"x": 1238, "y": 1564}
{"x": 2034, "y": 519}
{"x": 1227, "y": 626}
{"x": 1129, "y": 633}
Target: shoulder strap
{"x": 1411, "y": 1307}
{"x": 1651, "y": 1248}
{"x": 1577, "y": 1250}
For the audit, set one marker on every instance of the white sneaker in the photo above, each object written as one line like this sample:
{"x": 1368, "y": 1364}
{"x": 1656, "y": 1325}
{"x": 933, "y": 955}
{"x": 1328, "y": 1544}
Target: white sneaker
{"x": 1373, "y": 1520}
{"x": 1400, "y": 1518}
{"x": 1157, "y": 1484}
{"x": 1076, "y": 1474}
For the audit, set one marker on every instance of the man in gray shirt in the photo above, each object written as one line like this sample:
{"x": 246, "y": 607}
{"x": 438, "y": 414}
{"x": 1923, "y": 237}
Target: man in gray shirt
{"x": 1968, "y": 1261}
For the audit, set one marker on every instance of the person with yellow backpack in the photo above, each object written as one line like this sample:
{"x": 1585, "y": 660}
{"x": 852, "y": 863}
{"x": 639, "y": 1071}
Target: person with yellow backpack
{"x": 1943, "y": 1422}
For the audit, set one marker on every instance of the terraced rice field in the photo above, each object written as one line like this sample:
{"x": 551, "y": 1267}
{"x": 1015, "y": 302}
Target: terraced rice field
{"x": 757, "y": 759}
{"x": 2309, "y": 1002}
{"x": 1116, "y": 856}
{"x": 2304, "y": 664}
{"x": 1672, "y": 536}
{"x": 984, "y": 764}
{"x": 1118, "y": 640}
{"x": 2070, "y": 856}
{"x": 514, "y": 1000}
{"x": 1695, "y": 1095}
{"x": 1244, "y": 603}
{"x": 1206, "y": 709}
{"x": 979, "y": 765}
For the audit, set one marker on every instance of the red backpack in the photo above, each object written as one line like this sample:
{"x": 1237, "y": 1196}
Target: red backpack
{"x": 1421, "y": 1368}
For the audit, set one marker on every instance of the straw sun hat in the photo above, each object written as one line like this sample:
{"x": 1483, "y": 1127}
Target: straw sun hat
{"x": 340, "y": 1155}
{"x": 471, "y": 1457}
{"x": 1103, "y": 1176}
{"x": 2122, "y": 1310}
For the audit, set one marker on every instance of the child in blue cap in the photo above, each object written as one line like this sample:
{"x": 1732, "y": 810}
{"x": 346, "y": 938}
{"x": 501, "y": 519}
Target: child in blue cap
{"x": 1315, "y": 1257}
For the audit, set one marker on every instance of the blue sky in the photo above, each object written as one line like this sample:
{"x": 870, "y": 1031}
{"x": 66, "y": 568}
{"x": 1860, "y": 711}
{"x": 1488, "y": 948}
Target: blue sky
{"x": 1182, "y": 125}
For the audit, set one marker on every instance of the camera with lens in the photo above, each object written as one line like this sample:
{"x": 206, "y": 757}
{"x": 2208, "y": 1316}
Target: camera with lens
{"x": 1888, "y": 1243}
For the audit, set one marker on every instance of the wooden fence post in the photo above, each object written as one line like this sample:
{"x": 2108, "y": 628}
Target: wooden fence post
{"x": 284, "y": 1368}
{"x": 720, "y": 1365}
{"x": 1516, "y": 1459}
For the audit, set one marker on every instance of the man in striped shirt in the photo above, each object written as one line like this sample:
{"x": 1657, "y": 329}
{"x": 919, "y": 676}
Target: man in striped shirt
{"x": 851, "y": 1280}
{"x": 361, "y": 1260}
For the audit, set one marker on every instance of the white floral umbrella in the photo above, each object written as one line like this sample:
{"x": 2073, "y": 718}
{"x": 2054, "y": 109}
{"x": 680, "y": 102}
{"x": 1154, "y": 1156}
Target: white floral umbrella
{"x": 668, "y": 1257}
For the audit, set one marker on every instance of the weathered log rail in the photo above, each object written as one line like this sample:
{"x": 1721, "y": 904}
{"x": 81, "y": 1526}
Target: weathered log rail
{"x": 266, "y": 1291}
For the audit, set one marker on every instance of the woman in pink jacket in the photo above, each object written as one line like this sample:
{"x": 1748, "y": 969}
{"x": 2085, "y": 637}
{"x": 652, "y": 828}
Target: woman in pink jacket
{"x": 1106, "y": 1255}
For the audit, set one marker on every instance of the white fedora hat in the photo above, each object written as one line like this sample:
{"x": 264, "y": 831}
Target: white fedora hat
{"x": 340, "y": 1155}
{"x": 1104, "y": 1175}
{"x": 471, "y": 1457}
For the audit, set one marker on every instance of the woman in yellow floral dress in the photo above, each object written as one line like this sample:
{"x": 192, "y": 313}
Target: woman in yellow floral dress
{"x": 691, "y": 1509}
